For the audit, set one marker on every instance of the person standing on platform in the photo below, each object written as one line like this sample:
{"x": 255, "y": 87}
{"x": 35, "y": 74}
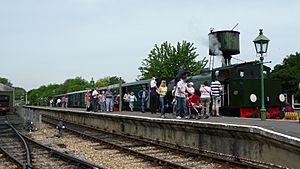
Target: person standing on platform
{"x": 51, "y": 102}
{"x": 132, "y": 100}
{"x": 181, "y": 72}
{"x": 205, "y": 97}
{"x": 126, "y": 99}
{"x": 216, "y": 90}
{"x": 109, "y": 100}
{"x": 153, "y": 95}
{"x": 87, "y": 100}
{"x": 66, "y": 101}
{"x": 116, "y": 102}
{"x": 143, "y": 96}
{"x": 190, "y": 89}
{"x": 63, "y": 101}
{"x": 162, "y": 91}
{"x": 58, "y": 102}
{"x": 101, "y": 100}
{"x": 181, "y": 94}
{"x": 94, "y": 100}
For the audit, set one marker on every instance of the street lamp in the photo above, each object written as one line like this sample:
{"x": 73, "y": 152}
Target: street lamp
{"x": 261, "y": 43}
{"x": 92, "y": 82}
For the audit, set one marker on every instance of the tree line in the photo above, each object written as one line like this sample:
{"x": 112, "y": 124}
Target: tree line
{"x": 35, "y": 96}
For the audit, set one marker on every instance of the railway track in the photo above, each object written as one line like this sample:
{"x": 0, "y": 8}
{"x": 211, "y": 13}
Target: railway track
{"x": 27, "y": 153}
{"x": 6, "y": 162}
{"x": 165, "y": 156}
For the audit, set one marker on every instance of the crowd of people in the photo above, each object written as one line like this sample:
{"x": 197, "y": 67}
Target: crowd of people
{"x": 60, "y": 102}
{"x": 103, "y": 101}
{"x": 186, "y": 98}
{"x": 184, "y": 95}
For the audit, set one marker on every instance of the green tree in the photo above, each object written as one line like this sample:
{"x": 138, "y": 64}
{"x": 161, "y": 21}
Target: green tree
{"x": 5, "y": 81}
{"x": 165, "y": 60}
{"x": 20, "y": 92}
{"x": 288, "y": 73}
{"x": 34, "y": 95}
{"x": 69, "y": 85}
{"x": 110, "y": 80}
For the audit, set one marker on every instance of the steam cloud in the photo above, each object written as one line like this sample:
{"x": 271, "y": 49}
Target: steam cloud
{"x": 215, "y": 48}
{"x": 214, "y": 45}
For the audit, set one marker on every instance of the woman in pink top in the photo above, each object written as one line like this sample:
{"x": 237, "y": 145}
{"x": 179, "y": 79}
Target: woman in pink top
{"x": 205, "y": 96}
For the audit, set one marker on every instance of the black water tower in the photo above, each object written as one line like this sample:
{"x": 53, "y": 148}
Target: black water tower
{"x": 225, "y": 43}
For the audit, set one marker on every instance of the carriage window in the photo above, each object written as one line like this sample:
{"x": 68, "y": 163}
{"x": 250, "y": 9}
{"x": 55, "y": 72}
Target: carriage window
{"x": 4, "y": 98}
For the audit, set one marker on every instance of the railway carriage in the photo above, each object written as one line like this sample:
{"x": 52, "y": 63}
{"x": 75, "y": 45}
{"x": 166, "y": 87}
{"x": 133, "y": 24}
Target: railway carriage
{"x": 136, "y": 87}
{"x": 76, "y": 99}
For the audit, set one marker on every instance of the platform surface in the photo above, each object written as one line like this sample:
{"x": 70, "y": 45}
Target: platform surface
{"x": 288, "y": 127}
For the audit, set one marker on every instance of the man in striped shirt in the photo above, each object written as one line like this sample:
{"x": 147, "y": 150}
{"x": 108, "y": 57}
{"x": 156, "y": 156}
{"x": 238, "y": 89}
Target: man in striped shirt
{"x": 216, "y": 90}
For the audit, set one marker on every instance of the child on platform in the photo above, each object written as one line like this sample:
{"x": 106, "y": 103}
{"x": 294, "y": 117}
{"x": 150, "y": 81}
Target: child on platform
{"x": 132, "y": 100}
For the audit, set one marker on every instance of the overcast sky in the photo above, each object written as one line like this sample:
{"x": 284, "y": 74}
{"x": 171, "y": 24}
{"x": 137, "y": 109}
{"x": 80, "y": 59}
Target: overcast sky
{"x": 44, "y": 42}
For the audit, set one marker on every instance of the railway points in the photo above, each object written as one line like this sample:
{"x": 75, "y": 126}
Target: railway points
{"x": 29, "y": 154}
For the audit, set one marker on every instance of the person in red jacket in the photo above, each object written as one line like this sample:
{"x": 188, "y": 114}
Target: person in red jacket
{"x": 288, "y": 108}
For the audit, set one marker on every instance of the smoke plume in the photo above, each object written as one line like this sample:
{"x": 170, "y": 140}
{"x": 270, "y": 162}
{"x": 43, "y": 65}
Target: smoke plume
{"x": 214, "y": 45}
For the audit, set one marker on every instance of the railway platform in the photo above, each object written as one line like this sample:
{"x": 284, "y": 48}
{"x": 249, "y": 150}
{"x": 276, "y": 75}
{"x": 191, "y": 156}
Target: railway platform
{"x": 287, "y": 127}
{"x": 273, "y": 141}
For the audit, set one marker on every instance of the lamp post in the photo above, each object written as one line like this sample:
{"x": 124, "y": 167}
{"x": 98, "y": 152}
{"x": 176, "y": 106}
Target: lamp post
{"x": 261, "y": 43}
{"x": 92, "y": 82}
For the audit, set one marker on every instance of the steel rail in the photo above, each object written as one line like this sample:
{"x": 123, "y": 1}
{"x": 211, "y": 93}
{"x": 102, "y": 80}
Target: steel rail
{"x": 78, "y": 162}
{"x": 136, "y": 153}
{"x": 209, "y": 155}
{"x": 7, "y": 154}
{"x": 25, "y": 145}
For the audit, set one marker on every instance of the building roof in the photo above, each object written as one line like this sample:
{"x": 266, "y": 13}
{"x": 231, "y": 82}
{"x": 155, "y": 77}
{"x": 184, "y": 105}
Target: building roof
{"x": 5, "y": 88}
